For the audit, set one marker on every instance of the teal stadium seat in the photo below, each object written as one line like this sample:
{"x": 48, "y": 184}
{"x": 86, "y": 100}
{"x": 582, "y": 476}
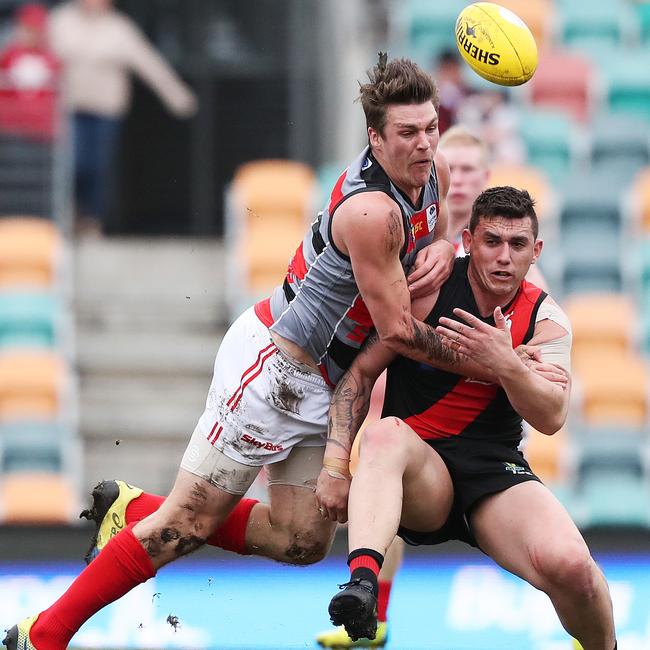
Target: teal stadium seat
{"x": 33, "y": 447}
{"x": 429, "y": 26}
{"x": 611, "y": 487}
{"x": 548, "y": 137}
{"x": 590, "y": 234}
{"x": 642, "y": 9}
{"x": 620, "y": 145}
{"x": 28, "y": 319}
{"x": 610, "y": 22}
{"x": 626, "y": 77}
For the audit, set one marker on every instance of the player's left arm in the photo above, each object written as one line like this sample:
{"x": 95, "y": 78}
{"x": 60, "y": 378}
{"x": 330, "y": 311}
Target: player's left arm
{"x": 434, "y": 263}
{"x": 542, "y": 403}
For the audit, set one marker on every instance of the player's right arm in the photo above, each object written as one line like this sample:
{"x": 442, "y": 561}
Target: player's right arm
{"x": 369, "y": 229}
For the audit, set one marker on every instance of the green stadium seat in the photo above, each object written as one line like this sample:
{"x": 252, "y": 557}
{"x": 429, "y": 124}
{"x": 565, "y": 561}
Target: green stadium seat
{"x": 547, "y": 135}
{"x": 28, "y": 319}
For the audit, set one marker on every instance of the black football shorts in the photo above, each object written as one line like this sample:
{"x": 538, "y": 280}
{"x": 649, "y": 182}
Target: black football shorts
{"x": 478, "y": 468}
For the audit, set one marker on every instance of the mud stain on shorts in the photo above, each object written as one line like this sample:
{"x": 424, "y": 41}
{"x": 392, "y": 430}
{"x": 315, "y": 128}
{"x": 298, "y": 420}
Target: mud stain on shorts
{"x": 287, "y": 397}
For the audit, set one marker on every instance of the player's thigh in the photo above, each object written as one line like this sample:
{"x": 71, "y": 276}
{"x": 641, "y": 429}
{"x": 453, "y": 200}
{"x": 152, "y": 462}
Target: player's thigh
{"x": 428, "y": 492}
{"x": 292, "y": 498}
{"x": 527, "y": 531}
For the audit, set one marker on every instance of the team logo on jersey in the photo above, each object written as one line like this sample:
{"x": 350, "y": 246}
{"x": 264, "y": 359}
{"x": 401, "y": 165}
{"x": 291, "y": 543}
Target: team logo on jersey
{"x": 517, "y": 469}
{"x": 432, "y": 216}
{"x": 366, "y": 164}
{"x": 508, "y": 319}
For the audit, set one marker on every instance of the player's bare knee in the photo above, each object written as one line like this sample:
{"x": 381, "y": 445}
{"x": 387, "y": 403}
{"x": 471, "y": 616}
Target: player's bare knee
{"x": 382, "y": 436}
{"x": 306, "y": 548}
{"x": 570, "y": 567}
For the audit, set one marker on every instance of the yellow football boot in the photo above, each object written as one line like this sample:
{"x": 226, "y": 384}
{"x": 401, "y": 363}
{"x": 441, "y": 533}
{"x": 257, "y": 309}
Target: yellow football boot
{"x": 338, "y": 638}
{"x": 18, "y": 636}
{"x": 110, "y": 499}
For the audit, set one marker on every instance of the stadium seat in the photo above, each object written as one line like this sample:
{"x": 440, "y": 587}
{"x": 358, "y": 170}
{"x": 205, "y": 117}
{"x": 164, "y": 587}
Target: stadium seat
{"x": 429, "y": 25}
{"x": 539, "y": 15}
{"x": 626, "y": 77}
{"x": 548, "y": 137}
{"x": 642, "y": 9}
{"x": 29, "y": 252}
{"x": 33, "y": 446}
{"x": 620, "y": 144}
{"x": 591, "y": 234}
{"x": 564, "y": 80}
{"x": 36, "y": 498}
{"x": 613, "y": 498}
{"x": 529, "y": 178}
{"x": 32, "y": 385}
{"x": 601, "y": 322}
{"x": 640, "y": 199}
{"x": 546, "y": 454}
{"x": 614, "y": 389}
{"x": 610, "y": 23}
{"x": 268, "y": 207}
{"x": 28, "y": 319}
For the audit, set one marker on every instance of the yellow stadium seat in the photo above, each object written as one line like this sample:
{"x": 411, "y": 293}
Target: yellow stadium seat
{"x": 546, "y": 454}
{"x": 36, "y": 498}
{"x": 31, "y": 385}
{"x": 539, "y": 15}
{"x": 601, "y": 322}
{"x": 270, "y": 205}
{"x": 29, "y": 251}
{"x": 529, "y": 178}
{"x": 614, "y": 388}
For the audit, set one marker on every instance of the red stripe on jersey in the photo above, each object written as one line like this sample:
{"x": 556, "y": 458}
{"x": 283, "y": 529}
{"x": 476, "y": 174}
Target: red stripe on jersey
{"x": 297, "y": 266}
{"x": 359, "y": 314}
{"x": 455, "y": 411}
{"x": 337, "y": 193}
{"x": 263, "y": 312}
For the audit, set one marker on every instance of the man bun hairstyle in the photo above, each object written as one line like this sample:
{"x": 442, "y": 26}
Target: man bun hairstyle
{"x": 504, "y": 201}
{"x": 398, "y": 81}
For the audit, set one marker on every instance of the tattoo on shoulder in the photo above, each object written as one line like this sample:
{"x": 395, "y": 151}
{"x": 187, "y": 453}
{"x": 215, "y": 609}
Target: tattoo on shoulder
{"x": 394, "y": 232}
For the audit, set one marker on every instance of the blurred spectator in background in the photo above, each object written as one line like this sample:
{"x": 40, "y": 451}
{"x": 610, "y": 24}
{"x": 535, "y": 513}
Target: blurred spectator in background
{"x": 99, "y": 48}
{"x": 490, "y": 114}
{"x": 28, "y": 77}
{"x": 452, "y": 88}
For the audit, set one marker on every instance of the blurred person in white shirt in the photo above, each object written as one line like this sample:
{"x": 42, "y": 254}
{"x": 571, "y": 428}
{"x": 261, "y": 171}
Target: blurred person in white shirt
{"x": 100, "y": 48}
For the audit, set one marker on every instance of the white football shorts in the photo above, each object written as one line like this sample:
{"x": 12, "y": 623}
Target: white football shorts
{"x": 261, "y": 404}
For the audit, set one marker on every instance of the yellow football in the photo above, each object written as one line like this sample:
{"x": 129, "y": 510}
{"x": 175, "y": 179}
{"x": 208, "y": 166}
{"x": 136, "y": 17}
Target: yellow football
{"x": 496, "y": 43}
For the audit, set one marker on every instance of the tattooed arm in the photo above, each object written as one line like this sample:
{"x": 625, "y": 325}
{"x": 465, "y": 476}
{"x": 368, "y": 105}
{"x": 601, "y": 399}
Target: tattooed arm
{"x": 369, "y": 229}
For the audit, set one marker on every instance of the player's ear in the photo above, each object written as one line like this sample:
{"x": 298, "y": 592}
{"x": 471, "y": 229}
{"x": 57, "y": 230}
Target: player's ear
{"x": 373, "y": 137}
{"x": 467, "y": 240}
{"x": 537, "y": 250}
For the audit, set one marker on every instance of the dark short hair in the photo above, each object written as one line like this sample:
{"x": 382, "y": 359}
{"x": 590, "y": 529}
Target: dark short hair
{"x": 507, "y": 202}
{"x": 398, "y": 81}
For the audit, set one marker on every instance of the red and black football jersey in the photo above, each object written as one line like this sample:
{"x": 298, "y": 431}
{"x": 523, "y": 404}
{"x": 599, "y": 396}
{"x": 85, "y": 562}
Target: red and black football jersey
{"x": 439, "y": 404}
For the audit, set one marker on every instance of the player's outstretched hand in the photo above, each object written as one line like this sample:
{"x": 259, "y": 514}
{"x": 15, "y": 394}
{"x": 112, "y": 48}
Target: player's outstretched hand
{"x": 484, "y": 344}
{"x": 332, "y": 496}
{"x": 433, "y": 265}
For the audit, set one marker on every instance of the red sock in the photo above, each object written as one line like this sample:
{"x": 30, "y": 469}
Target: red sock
{"x": 383, "y": 598}
{"x": 122, "y": 565}
{"x": 366, "y": 562}
{"x": 230, "y": 536}
{"x": 142, "y": 507}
